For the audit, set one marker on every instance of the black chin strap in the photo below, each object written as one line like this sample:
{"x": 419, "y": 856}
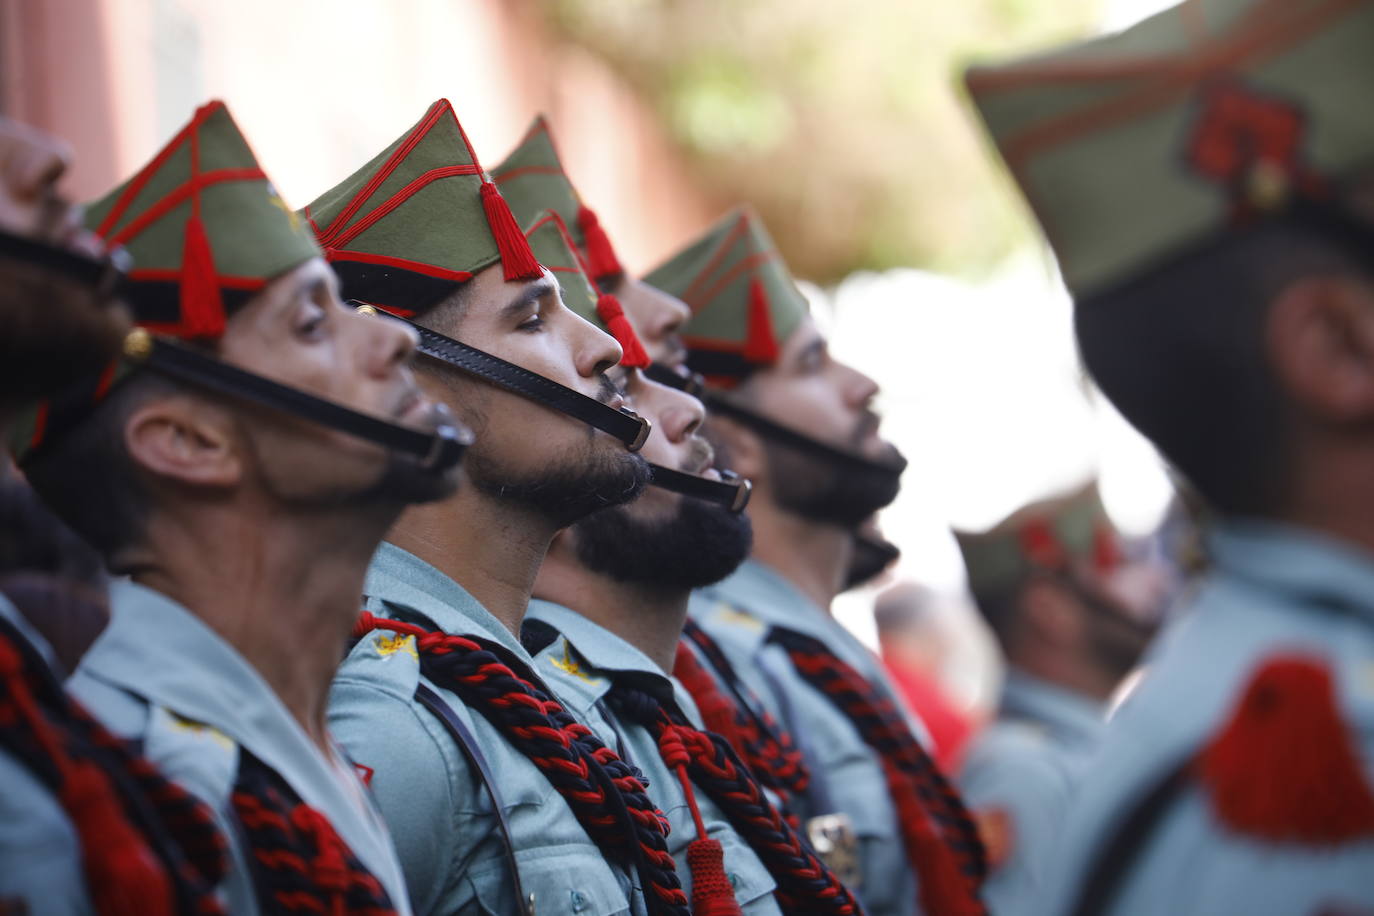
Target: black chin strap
{"x": 625, "y": 425}
{"x": 731, "y": 491}
{"x": 785, "y": 435}
{"x": 436, "y": 452}
{"x": 682, "y": 378}
{"x": 103, "y": 275}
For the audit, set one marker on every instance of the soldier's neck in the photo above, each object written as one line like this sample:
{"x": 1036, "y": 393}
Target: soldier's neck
{"x": 813, "y": 557}
{"x": 649, "y": 619}
{"x": 282, "y": 587}
{"x": 489, "y": 546}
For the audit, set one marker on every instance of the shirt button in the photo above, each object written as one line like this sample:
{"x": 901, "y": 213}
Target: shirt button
{"x": 734, "y": 880}
{"x": 579, "y": 902}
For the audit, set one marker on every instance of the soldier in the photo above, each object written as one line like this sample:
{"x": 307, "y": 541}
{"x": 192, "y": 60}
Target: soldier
{"x": 616, "y": 586}
{"x": 500, "y": 799}
{"x": 800, "y": 425}
{"x": 1203, "y": 178}
{"x": 1046, "y": 580}
{"x": 240, "y": 467}
{"x": 85, "y": 826}
{"x": 533, "y": 179}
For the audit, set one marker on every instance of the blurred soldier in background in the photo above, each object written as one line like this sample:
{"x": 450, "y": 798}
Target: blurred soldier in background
{"x": 1043, "y": 581}
{"x": 1205, "y": 178}
{"x": 800, "y": 425}
{"x": 240, "y": 467}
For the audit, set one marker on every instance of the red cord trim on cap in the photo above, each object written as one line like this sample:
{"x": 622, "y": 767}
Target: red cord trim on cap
{"x": 690, "y": 296}
{"x": 712, "y": 344}
{"x": 352, "y": 232}
{"x": 746, "y": 265}
{"x": 178, "y": 196}
{"x": 160, "y": 275}
{"x": 526, "y": 170}
{"x": 416, "y": 135}
{"x": 137, "y": 183}
{"x": 419, "y": 267}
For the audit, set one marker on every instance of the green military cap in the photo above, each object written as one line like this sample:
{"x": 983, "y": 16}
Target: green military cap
{"x": 418, "y": 220}
{"x": 1054, "y": 535}
{"x": 744, "y": 302}
{"x": 1136, "y": 147}
{"x": 205, "y": 230}
{"x": 203, "y": 226}
{"x": 553, "y": 245}
{"x": 532, "y": 179}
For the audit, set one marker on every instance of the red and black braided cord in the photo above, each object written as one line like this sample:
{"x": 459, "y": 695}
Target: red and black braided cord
{"x": 603, "y": 791}
{"x": 148, "y": 847}
{"x": 804, "y": 884}
{"x": 941, "y": 838}
{"x": 756, "y": 736}
{"x": 299, "y": 864}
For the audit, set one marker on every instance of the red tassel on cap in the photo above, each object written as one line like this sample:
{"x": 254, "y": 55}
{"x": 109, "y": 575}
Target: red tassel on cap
{"x": 609, "y": 310}
{"x": 1284, "y": 768}
{"x": 517, "y": 260}
{"x": 1041, "y": 545}
{"x": 601, "y": 257}
{"x": 202, "y": 307}
{"x": 1106, "y": 551}
{"x": 712, "y": 894}
{"x": 761, "y": 344}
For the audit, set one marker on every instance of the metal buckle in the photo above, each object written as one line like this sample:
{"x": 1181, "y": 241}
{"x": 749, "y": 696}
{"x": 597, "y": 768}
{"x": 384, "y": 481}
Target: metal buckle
{"x": 645, "y": 427}
{"x": 833, "y": 838}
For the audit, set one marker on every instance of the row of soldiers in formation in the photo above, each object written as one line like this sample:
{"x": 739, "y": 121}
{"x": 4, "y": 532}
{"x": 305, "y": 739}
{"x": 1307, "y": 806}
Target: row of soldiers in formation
{"x": 674, "y": 724}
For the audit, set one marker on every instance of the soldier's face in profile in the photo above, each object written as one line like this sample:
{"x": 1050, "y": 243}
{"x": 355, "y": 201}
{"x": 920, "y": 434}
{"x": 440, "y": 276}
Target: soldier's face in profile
{"x": 298, "y": 332}
{"x": 524, "y": 450}
{"x": 814, "y": 393}
{"x": 665, "y": 539}
{"x": 657, "y": 317}
{"x": 56, "y": 328}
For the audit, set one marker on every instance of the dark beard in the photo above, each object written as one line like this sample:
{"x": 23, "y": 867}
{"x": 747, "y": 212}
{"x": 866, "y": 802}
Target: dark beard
{"x": 55, "y": 332}
{"x": 700, "y": 544}
{"x": 566, "y": 493}
{"x": 823, "y": 491}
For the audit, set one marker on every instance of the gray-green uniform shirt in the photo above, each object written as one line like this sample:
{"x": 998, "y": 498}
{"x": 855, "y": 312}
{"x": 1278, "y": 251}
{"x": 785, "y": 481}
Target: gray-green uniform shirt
{"x": 449, "y": 837}
{"x": 40, "y": 855}
{"x": 162, "y": 678}
{"x": 847, "y": 776}
{"x": 579, "y": 667}
{"x": 1019, "y": 778}
{"x": 1273, "y": 591}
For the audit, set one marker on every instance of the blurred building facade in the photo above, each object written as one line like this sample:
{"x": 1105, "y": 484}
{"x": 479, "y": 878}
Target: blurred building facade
{"x": 319, "y": 86}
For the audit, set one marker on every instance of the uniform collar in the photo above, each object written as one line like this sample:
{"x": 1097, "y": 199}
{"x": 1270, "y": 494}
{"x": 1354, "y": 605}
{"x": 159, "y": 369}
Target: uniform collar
{"x": 16, "y": 619}
{"x": 399, "y": 577}
{"x": 1297, "y": 561}
{"x": 589, "y": 656}
{"x": 156, "y": 649}
{"x": 1071, "y": 715}
{"x": 766, "y": 594}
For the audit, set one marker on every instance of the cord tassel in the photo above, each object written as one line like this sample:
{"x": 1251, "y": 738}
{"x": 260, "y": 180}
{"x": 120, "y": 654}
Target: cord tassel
{"x": 202, "y": 307}
{"x": 608, "y": 308}
{"x": 518, "y": 262}
{"x": 712, "y": 894}
{"x": 761, "y": 346}
{"x": 601, "y": 258}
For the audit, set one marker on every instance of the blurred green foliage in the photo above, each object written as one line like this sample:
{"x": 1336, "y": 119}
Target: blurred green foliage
{"x": 844, "y": 123}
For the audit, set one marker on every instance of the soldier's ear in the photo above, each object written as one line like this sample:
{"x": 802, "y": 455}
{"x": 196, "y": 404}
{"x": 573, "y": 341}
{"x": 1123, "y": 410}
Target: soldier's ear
{"x": 186, "y": 440}
{"x": 1320, "y": 340}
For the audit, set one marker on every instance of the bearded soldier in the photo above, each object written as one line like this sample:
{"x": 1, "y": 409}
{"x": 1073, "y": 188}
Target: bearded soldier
{"x": 239, "y": 466}
{"x": 800, "y": 425}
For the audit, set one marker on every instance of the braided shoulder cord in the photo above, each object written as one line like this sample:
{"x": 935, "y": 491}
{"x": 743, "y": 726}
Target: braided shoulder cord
{"x": 147, "y": 846}
{"x": 941, "y": 839}
{"x": 804, "y": 883}
{"x": 603, "y": 791}
{"x": 758, "y": 738}
{"x": 299, "y": 864}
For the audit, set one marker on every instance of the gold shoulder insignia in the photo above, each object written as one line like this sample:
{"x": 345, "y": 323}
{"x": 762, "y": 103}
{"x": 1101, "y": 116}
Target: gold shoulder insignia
{"x": 391, "y": 643}
{"x": 568, "y": 664}
{"x": 191, "y": 726}
{"x": 732, "y": 616}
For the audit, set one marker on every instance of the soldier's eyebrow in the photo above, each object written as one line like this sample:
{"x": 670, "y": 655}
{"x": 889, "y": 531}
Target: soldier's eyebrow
{"x": 531, "y": 293}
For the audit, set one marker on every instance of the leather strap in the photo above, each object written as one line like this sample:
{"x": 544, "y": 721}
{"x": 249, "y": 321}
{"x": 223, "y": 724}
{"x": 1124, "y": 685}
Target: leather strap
{"x": 625, "y": 425}
{"x": 438, "y": 451}
{"x": 465, "y": 739}
{"x": 101, "y": 274}
{"x": 682, "y": 379}
{"x": 785, "y": 435}
{"x": 731, "y": 491}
